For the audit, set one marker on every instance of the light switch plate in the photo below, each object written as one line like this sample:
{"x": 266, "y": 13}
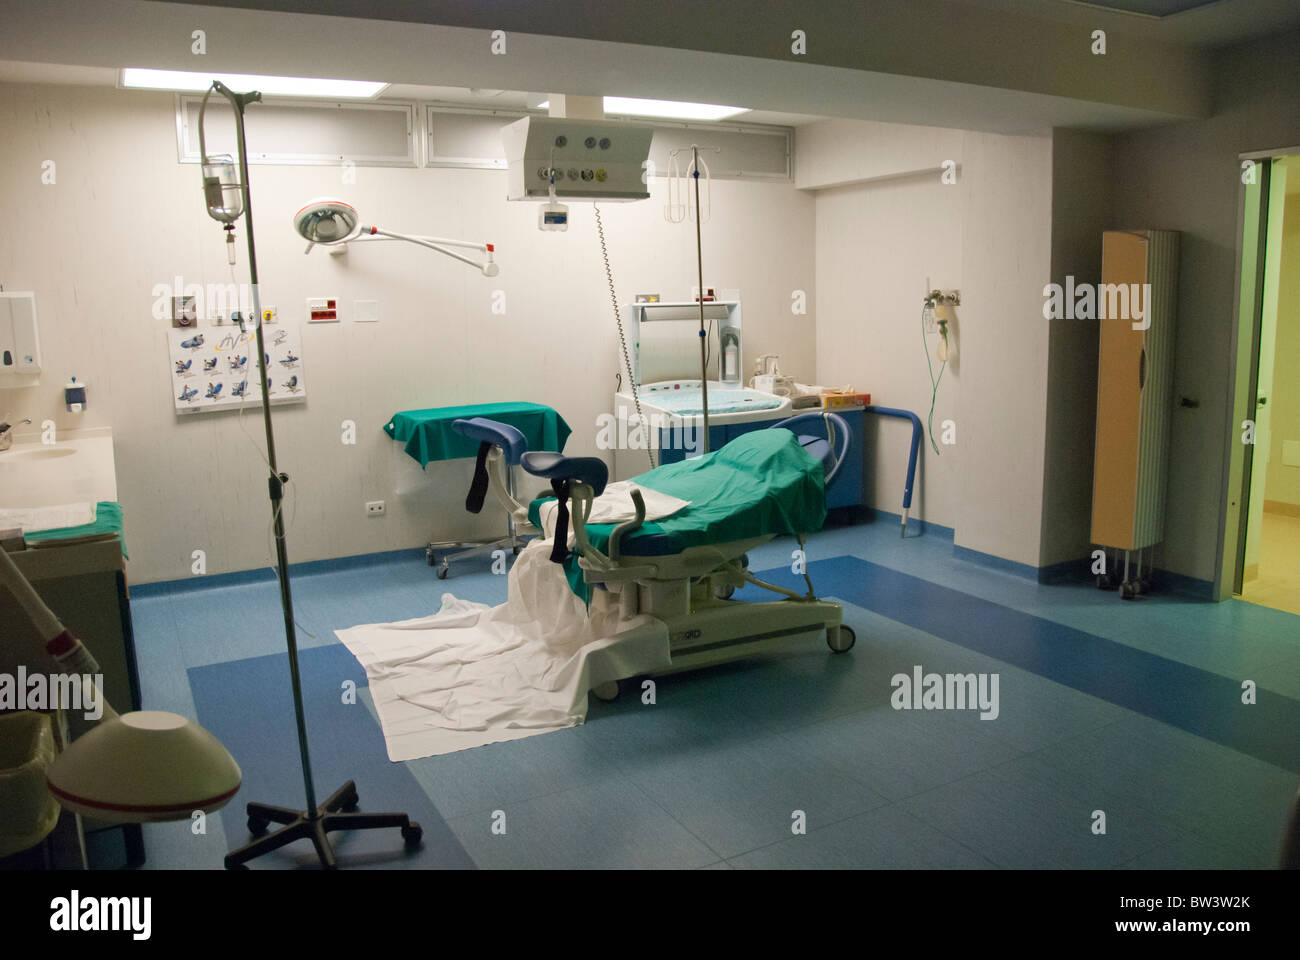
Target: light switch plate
{"x": 1291, "y": 453}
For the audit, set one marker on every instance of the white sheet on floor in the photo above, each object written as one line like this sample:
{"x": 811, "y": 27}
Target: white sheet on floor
{"x": 615, "y": 505}
{"x": 473, "y": 674}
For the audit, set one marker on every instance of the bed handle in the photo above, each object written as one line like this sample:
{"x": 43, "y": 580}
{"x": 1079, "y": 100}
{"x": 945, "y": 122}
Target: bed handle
{"x": 626, "y": 527}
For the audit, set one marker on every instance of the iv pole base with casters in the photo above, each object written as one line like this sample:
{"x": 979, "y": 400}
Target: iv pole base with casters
{"x": 339, "y": 812}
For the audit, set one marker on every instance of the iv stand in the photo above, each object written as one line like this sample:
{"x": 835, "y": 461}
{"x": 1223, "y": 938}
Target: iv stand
{"x": 699, "y": 266}
{"x": 339, "y": 811}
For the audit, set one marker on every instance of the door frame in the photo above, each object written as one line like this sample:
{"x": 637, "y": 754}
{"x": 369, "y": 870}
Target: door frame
{"x": 1243, "y": 383}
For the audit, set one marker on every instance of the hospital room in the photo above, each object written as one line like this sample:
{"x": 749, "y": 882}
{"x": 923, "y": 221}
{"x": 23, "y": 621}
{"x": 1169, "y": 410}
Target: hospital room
{"x": 762, "y": 436}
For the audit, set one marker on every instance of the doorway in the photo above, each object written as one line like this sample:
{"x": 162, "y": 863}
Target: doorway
{"x": 1267, "y": 568}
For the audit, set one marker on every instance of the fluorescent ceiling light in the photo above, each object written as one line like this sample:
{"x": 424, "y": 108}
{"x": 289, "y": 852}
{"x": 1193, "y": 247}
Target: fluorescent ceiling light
{"x": 665, "y": 109}
{"x": 140, "y": 78}
{"x": 673, "y": 109}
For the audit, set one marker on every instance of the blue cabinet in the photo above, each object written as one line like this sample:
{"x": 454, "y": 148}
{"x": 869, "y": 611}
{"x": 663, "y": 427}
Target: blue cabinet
{"x": 846, "y": 491}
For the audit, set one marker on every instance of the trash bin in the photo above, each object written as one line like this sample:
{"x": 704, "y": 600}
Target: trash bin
{"x": 30, "y": 810}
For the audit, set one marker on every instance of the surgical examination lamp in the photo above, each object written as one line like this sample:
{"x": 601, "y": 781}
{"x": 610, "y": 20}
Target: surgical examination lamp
{"x": 335, "y": 223}
{"x": 227, "y": 197}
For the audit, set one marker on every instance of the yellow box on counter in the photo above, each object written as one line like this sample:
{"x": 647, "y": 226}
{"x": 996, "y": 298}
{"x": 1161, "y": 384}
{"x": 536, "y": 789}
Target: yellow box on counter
{"x": 838, "y": 398}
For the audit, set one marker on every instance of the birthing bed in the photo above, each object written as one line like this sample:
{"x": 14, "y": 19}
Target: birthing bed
{"x": 632, "y": 597}
{"x": 760, "y": 485}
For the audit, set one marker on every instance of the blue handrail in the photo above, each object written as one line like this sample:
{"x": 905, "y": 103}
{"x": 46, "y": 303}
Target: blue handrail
{"x": 911, "y": 456}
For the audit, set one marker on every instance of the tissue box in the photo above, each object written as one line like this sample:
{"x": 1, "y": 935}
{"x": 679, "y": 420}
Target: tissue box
{"x": 844, "y": 398}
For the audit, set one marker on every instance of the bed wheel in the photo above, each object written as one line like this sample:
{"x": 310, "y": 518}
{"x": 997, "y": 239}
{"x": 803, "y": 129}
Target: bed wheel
{"x": 1105, "y": 581}
{"x": 412, "y": 833}
{"x": 606, "y": 691}
{"x": 443, "y": 570}
{"x": 1128, "y": 590}
{"x": 257, "y": 826}
{"x": 725, "y": 591}
{"x": 841, "y": 639}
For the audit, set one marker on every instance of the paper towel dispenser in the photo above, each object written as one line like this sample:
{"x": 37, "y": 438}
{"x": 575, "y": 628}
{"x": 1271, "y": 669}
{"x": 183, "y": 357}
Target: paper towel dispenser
{"x": 20, "y": 349}
{"x": 589, "y": 159}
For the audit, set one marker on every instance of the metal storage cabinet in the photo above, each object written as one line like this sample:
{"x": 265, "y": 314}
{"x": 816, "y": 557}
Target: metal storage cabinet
{"x": 1134, "y": 395}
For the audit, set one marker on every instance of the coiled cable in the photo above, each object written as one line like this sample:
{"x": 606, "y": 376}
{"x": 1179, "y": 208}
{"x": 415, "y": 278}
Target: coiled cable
{"x": 622, "y": 339}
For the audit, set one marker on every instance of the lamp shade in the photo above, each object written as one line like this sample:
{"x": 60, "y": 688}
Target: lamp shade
{"x": 327, "y": 221}
{"x": 145, "y": 766}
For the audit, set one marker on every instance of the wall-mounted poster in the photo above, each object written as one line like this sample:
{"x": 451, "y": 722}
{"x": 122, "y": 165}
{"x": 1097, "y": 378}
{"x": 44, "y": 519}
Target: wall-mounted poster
{"x": 215, "y": 368}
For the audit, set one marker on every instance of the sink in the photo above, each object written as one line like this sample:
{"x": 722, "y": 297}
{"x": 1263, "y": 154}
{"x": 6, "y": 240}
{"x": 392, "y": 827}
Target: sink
{"x": 49, "y": 453}
{"x": 78, "y": 470}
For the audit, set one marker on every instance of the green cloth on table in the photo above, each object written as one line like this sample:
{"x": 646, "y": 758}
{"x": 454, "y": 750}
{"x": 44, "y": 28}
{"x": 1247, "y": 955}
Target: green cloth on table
{"x": 761, "y": 483}
{"x": 108, "y": 519}
{"x": 427, "y": 434}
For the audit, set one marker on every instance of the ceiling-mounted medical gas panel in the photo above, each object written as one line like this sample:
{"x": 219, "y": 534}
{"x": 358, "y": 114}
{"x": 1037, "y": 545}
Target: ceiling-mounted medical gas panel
{"x": 587, "y": 159}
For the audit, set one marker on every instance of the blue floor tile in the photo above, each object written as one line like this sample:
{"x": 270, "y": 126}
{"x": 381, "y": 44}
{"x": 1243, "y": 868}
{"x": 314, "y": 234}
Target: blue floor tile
{"x": 1133, "y": 708}
{"x": 887, "y": 838}
{"x": 1207, "y": 790}
{"x": 740, "y": 797}
{"x": 611, "y": 825}
{"x": 1022, "y": 815}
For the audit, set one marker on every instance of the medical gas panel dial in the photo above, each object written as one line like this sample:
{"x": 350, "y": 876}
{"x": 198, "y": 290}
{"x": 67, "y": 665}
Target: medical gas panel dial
{"x": 588, "y": 159}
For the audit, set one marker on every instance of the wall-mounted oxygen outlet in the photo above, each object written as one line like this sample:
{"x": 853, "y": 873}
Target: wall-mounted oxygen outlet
{"x": 375, "y": 508}
{"x": 938, "y": 308}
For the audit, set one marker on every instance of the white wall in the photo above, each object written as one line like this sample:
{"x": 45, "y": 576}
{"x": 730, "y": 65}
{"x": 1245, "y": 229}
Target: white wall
{"x": 987, "y": 235}
{"x": 1081, "y": 200}
{"x": 877, "y": 243}
{"x": 1187, "y": 177}
{"x": 124, "y": 215}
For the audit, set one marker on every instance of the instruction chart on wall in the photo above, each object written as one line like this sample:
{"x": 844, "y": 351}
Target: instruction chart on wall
{"x": 215, "y": 368}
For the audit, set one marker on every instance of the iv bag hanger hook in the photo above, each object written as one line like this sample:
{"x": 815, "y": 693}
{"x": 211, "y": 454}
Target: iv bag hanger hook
{"x": 225, "y": 186}
{"x": 678, "y": 207}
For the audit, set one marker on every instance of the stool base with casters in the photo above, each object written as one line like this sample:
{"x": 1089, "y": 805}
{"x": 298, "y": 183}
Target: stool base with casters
{"x": 336, "y": 814}
{"x": 440, "y": 553}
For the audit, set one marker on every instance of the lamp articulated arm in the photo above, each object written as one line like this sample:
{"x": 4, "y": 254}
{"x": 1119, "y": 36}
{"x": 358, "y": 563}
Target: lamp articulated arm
{"x": 335, "y": 223}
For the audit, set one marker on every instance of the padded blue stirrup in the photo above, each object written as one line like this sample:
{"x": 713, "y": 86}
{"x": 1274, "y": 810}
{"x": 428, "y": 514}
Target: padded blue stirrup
{"x": 490, "y": 434}
{"x": 563, "y": 472}
{"x": 556, "y": 466}
{"x": 511, "y": 441}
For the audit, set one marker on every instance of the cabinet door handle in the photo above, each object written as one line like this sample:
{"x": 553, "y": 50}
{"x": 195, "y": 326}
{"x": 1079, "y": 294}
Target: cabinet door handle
{"x": 1142, "y": 369}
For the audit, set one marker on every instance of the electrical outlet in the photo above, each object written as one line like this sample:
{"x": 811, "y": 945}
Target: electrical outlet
{"x": 375, "y": 508}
